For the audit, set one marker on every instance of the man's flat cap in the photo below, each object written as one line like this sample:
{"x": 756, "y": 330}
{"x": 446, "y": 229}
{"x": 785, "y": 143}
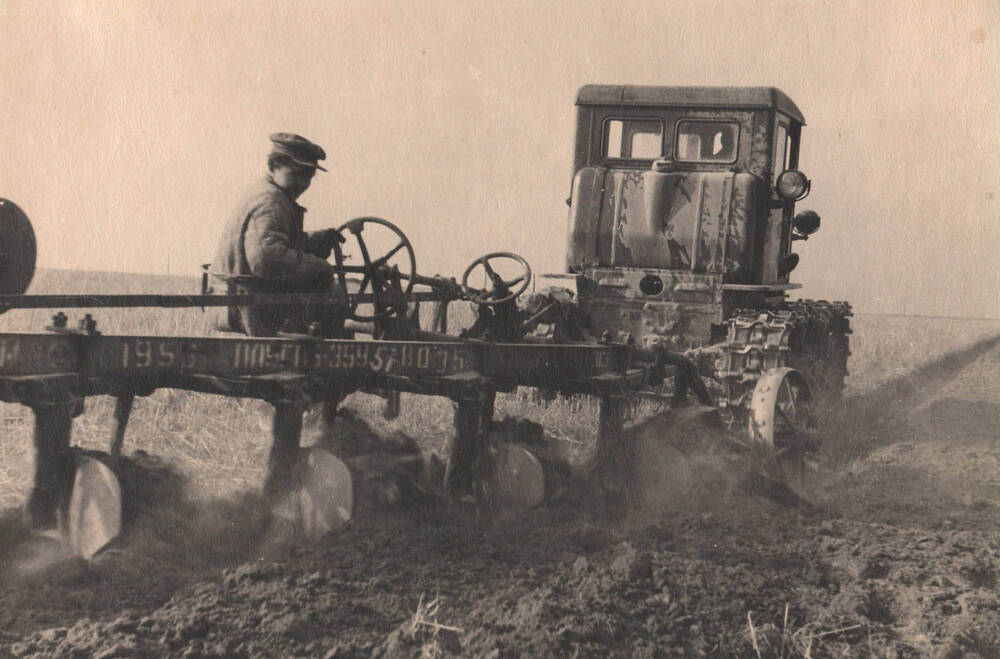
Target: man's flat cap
{"x": 298, "y": 149}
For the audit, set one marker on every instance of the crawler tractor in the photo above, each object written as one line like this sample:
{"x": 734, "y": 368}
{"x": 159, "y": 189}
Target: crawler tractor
{"x": 681, "y": 225}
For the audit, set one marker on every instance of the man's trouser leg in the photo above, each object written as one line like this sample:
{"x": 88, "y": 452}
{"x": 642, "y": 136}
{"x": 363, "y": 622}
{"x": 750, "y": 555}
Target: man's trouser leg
{"x": 328, "y": 316}
{"x": 263, "y": 320}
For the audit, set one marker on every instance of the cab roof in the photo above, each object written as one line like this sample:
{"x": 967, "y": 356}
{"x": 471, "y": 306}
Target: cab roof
{"x": 694, "y": 97}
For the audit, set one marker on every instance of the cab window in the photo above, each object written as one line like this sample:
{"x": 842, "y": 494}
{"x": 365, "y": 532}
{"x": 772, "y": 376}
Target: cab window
{"x": 781, "y": 149}
{"x": 633, "y": 139}
{"x": 707, "y": 141}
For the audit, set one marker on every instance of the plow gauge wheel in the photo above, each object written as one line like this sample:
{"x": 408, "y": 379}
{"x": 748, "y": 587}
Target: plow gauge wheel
{"x": 17, "y": 249}
{"x": 94, "y": 517}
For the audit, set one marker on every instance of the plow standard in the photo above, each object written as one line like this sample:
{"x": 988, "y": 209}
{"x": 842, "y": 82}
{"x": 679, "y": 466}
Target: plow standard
{"x": 53, "y": 373}
{"x": 681, "y": 226}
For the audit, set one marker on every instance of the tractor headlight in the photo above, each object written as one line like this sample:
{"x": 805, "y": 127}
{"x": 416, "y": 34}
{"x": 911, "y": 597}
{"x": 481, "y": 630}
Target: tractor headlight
{"x": 805, "y": 223}
{"x": 792, "y": 185}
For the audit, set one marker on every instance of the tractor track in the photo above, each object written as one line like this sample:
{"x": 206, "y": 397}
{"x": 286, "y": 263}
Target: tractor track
{"x": 901, "y": 558}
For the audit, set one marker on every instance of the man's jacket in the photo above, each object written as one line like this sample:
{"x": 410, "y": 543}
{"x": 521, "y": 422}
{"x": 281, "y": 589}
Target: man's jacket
{"x": 264, "y": 237}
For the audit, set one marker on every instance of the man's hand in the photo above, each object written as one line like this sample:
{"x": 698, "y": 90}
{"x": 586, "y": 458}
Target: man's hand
{"x": 333, "y": 237}
{"x": 329, "y": 238}
{"x": 320, "y": 243}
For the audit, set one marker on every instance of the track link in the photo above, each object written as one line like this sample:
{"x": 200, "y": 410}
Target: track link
{"x": 811, "y": 336}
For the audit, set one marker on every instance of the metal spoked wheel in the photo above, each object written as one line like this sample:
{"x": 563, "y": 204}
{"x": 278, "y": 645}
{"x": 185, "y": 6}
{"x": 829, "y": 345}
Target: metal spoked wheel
{"x": 498, "y": 290}
{"x": 782, "y": 442}
{"x": 383, "y": 275}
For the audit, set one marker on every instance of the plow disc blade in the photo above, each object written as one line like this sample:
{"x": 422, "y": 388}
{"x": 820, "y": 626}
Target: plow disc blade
{"x": 94, "y": 516}
{"x": 324, "y": 501}
{"x": 517, "y": 481}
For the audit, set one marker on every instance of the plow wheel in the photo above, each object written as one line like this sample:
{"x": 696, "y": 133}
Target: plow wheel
{"x": 781, "y": 440}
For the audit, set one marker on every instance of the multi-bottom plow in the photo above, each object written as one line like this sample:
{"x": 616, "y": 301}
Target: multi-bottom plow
{"x": 55, "y": 371}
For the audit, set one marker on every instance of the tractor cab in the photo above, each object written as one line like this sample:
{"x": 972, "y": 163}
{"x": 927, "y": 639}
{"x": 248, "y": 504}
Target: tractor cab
{"x": 682, "y": 207}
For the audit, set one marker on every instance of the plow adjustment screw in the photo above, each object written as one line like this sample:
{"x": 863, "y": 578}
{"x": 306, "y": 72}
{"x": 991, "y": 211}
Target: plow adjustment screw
{"x": 59, "y": 320}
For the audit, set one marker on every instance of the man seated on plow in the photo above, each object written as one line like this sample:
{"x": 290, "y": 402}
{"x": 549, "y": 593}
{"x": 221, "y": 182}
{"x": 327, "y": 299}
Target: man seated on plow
{"x": 264, "y": 249}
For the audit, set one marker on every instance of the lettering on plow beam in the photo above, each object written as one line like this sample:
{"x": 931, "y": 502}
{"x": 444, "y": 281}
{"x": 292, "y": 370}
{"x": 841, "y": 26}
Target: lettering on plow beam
{"x": 393, "y": 359}
{"x": 151, "y": 353}
{"x": 247, "y": 357}
{"x": 355, "y": 356}
{"x": 251, "y": 356}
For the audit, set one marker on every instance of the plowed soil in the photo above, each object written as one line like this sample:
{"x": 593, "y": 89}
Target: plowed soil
{"x": 898, "y": 555}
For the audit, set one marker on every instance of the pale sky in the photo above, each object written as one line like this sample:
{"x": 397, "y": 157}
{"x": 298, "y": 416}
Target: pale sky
{"x": 128, "y": 130}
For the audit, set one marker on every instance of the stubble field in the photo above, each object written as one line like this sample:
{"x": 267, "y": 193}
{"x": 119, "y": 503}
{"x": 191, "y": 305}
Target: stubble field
{"x": 900, "y": 556}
